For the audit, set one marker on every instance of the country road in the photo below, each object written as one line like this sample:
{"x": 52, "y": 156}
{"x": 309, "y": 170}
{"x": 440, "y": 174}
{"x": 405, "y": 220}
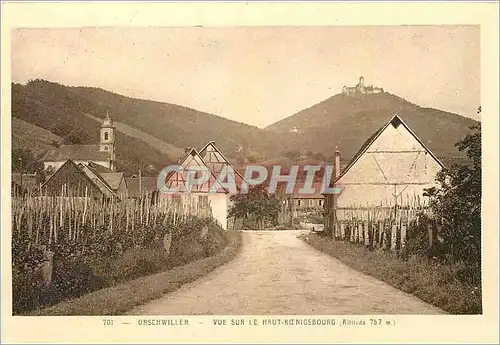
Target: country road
{"x": 278, "y": 274}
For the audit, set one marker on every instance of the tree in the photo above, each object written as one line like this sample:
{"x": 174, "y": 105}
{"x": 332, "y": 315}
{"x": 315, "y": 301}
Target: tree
{"x": 457, "y": 202}
{"x": 258, "y": 204}
{"x": 24, "y": 161}
{"x": 76, "y": 137}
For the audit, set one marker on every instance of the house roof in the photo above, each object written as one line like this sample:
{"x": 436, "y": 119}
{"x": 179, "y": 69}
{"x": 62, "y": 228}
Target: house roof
{"x": 147, "y": 184}
{"x": 181, "y": 180}
{"x": 394, "y": 119}
{"x": 97, "y": 179}
{"x": 92, "y": 172}
{"x": 211, "y": 145}
{"x": 99, "y": 168}
{"x": 113, "y": 179}
{"x": 317, "y": 190}
{"x": 76, "y": 153}
{"x": 88, "y": 174}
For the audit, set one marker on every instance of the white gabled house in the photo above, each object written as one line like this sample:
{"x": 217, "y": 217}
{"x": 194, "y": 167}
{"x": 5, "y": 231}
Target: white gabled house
{"x": 392, "y": 165}
{"x": 216, "y": 161}
{"x": 179, "y": 181}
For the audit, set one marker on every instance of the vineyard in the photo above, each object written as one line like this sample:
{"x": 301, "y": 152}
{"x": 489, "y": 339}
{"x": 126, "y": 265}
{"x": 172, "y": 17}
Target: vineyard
{"x": 67, "y": 246}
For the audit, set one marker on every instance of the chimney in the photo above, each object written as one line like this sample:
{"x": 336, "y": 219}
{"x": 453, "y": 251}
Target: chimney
{"x": 337, "y": 164}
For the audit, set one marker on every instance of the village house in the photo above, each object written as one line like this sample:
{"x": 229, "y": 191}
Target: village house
{"x": 216, "y": 161}
{"x": 299, "y": 203}
{"x": 24, "y": 183}
{"x": 79, "y": 180}
{"x": 178, "y": 181}
{"x": 103, "y": 153}
{"x": 309, "y": 202}
{"x": 390, "y": 167}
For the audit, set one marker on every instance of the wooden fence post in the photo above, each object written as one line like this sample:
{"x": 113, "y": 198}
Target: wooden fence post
{"x": 380, "y": 234}
{"x": 430, "y": 234}
{"x": 366, "y": 235}
{"x": 353, "y": 231}
{"x": 404, "y": 224}
{"x": 394, "y": 231}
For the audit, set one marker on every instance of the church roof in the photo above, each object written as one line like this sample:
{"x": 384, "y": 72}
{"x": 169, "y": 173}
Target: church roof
{"x": 107, "y": 123}
{"x": 77, "y": 153}
{"x": 98, "y": 168}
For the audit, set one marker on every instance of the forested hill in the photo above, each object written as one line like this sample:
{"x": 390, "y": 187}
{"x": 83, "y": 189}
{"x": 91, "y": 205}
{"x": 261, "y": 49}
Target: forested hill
{"x": 64, "y": 111}
{"x": 347, "y": 121}
{"x": 156, "y": 133}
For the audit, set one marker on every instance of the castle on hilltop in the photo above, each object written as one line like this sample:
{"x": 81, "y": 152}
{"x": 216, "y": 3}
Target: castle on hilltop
{"x": 361, "y": 88}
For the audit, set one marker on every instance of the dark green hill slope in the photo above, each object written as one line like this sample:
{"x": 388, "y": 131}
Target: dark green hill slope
{"x": 347, "y": 121}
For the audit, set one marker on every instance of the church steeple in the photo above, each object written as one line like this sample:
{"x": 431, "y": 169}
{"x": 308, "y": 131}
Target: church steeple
{"x": 107, "y": 123}
{"x": 107, "y": 142}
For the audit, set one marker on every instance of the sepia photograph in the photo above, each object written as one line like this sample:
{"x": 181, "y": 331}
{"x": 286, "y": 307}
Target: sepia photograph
{"x": 309, "y": 175}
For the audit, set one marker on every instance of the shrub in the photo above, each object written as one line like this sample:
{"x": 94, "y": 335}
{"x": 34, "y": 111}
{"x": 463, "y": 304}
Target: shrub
{"x": 457, "y": 202}
{"x": 27, "y": 280}
{"x": 72, "y": 278}
{"x": 26, "y": 290}
{"x": 136, "y": 262}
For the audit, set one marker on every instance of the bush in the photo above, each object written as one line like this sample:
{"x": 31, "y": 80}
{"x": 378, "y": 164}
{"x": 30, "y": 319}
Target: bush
{"x": 27, "y": 279}
{"x": 457, "y": 203}
{"x": 74, "y": 278}
{"x": 26, "y": 290}
{"x": 417, "y": 237}
{"x": 137, "y": 262}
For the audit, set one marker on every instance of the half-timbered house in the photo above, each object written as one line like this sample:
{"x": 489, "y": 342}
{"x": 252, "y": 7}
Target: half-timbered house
{"x": 180, "y": 182}
{"x": 391, "y": 166}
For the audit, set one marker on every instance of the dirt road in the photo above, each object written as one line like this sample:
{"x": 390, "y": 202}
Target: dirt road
{"x": 278, "y": 274}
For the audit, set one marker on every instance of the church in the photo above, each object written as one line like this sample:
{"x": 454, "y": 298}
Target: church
{"x": 103, "y": 154}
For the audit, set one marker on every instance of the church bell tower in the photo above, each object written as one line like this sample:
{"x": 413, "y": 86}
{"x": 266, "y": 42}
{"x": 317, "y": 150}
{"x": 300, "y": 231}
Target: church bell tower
{"x": 107, "y": 143}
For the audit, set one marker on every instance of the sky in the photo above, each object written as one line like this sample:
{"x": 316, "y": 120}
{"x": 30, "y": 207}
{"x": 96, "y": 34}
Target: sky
{"x": 258, "y": 75}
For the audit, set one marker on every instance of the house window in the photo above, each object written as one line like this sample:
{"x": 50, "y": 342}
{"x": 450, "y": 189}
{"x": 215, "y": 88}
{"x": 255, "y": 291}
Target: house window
{"x": 105, "y": 147}
{"x": 320, "y": 202}
{"x": 106, "y": 136}
{"x": 298, "y": 202}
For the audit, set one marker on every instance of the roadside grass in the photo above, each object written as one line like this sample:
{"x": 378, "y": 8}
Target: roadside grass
{"x": 429, "y": 280}
{"x": 121, "y": 298}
